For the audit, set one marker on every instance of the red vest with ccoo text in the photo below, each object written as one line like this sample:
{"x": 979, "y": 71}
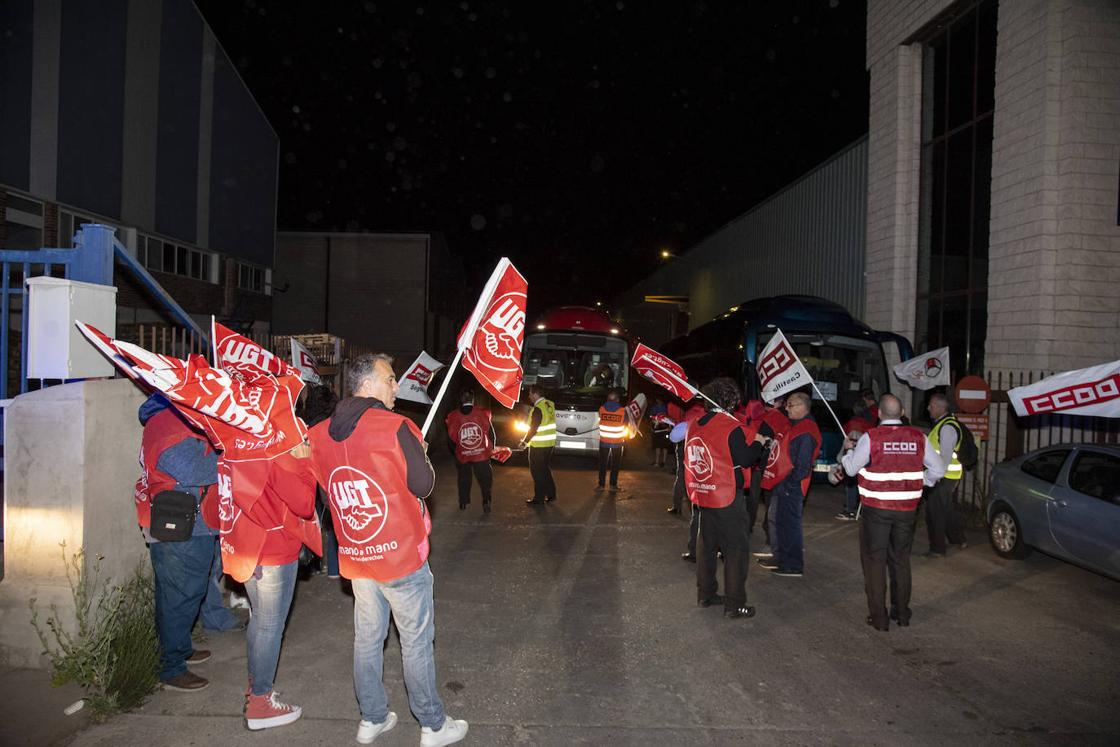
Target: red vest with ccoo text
{"x": 381, "y": 527}
{"x": 892, "y": 478}
{"x": 471, "y": 434}
{"x": 162, "y": 431}
{"x": 709, "y": 471}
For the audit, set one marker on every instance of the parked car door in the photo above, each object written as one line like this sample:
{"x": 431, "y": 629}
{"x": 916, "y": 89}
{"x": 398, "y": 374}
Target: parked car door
{"x": 1029, "y": 489}
{"x": 1085, "y": 510}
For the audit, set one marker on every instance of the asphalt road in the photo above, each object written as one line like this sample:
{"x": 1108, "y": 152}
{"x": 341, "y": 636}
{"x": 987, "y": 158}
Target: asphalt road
{"x": 576, "y": 623}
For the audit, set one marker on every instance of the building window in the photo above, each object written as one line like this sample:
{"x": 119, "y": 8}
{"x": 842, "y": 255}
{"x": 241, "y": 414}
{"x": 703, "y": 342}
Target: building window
{"x": 23, "y": 223}
{"x": 163, "y": 256}
{"x": 958, "y": 96}
{"x": 250, "y": 277}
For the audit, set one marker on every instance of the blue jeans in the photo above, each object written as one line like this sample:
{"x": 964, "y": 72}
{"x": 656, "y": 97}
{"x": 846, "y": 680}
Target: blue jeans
{"x": 789, "y": 550}
{"x": 270, "y": 590}
{"x": 215, "y": 615}
{"x": 181, "y": 571}
{"x": 409, "y": 599}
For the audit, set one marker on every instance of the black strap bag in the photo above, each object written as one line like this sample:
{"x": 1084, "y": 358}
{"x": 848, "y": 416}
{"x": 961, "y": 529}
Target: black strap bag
{"x": 173, "y": 514}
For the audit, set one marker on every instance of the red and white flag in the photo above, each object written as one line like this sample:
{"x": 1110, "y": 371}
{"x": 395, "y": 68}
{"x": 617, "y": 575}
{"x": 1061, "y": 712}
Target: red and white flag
{"x": 492, "y": 338}
{"x": 662, "y": 371}
{"x": 501, "y": 454}
{"x": 1093, "y": 391}
{"x": 637, "y": 409}
{"x": 414, "y": 383}
{"x": 244, "y": 358}
{"x": 305, "y": 362}
{"x": 780, "y": 371}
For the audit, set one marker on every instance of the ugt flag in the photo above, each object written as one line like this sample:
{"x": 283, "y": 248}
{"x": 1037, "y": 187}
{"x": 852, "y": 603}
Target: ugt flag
{"x": 414, "y": 383}
{"x": 243, "y": 358}
{"x": 925, "y": 371}
{"x": 1093, "y": 391}
{"x": 662, "y": 371}
{"x": 491, "y": 339}
{"x": 780, "y": 371}
{"x": 303, "y": 360}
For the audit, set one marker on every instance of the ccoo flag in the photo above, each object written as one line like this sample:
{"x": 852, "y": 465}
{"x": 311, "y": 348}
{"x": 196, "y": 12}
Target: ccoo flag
{"x": 1093, "y": 391}
{"x": 662, "y": 371}
{"x": 303, "y": 360}
{"x": 414, "y": 383}
{"x": 780, "y": 371}
{"x": 491, "y": 339}
{"x": 926, "y": 371}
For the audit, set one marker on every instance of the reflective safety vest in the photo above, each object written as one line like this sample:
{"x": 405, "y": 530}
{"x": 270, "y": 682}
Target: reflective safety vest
{"x": 892, "y": 477}
{"x": 954, "y": 471}
{"x": 546, "y": 431}
{"x": 612, "y": 426}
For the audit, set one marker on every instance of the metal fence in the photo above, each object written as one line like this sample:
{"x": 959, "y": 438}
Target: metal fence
{"x": 1010, "y": 436}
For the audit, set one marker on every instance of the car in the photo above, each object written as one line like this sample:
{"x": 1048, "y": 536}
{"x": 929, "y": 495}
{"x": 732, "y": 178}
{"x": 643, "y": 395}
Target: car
{"x": 1063, "y": 500}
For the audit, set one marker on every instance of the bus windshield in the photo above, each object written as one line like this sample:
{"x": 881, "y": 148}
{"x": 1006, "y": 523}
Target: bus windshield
{"x": 841, "y": 366}
{"x": 575, "y": 366}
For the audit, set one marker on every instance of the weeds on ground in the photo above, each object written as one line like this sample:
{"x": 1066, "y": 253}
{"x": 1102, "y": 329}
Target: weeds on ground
{"x": 114, "y": 653}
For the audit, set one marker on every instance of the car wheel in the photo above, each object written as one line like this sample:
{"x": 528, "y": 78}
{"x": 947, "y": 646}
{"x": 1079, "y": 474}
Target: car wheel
{"x": 1006, "y": 535}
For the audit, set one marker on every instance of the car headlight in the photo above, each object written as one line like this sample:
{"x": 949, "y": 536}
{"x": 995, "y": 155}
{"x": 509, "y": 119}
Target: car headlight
{"x": 521, "y": 426}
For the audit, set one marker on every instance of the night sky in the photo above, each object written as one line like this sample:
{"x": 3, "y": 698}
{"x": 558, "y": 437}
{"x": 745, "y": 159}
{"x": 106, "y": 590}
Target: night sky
{"x": 578, "y": 138}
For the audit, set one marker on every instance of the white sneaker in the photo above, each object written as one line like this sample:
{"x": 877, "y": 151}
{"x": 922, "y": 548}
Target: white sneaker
{"x": 236, "y": 601}
{"x": 452, "y": 731}
{"x": 369, "y": 731}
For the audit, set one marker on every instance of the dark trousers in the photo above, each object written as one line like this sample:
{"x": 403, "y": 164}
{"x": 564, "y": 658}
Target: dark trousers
{"x": 678, "y": 485}
{"x": 942, "y": 522}
{"x": 754, "y": 498}
{"x": 612, "y": 457}
{"x": 693, "y": 526}
{"x": 885, "y": 538}
{"x": 482, "y": 472}
{"x": 723, "y": 529}
{"x": 789, "y": 552}
{"x": 540, "y": 461}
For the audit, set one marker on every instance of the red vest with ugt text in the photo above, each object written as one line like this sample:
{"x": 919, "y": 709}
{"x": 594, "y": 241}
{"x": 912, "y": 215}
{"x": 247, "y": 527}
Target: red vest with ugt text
{"x": 381, "y": 527}
{"x": 892, "y": 478}
{"x": 162, "y": 431}
{"x": 471, "y": 434}
{"x": 709, "y": 471}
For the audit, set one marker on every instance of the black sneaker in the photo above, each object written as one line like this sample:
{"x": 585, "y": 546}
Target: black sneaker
{"x": 486, "y": 507}
{"x": 533, "y": 501}
{"x": 711, "y": 601}
{"x": 768, "y": 564}
{"x": 786, "y": 572}
{"x": 745, "y": 611}
{"x": 688, "y": 556}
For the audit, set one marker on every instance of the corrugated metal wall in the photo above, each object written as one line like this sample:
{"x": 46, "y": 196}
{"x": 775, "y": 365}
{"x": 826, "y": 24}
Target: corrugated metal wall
{"x": 808, "y": 238}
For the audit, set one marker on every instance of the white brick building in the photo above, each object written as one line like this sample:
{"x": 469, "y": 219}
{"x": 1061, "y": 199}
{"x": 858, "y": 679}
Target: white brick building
{"x": 994, "y": 152}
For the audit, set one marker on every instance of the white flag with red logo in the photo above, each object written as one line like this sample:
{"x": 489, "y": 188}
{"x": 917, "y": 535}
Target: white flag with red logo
{"x": 925, "y": 371}
{"x": 780, "y": 371}
{"x": 637, "y": 409}
{"x": 414, "y": 383}
{"x": 303, "y": 360}
{"x": 662, "y": 371}
{"x": 1093, "y": 391}
{"x": 491, "y": 339}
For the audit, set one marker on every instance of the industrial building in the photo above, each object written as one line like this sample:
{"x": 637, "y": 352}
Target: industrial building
{"x": 131, "y": 114}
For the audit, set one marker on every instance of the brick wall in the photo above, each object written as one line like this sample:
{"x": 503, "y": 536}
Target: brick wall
{"x": 1055, "y": 246}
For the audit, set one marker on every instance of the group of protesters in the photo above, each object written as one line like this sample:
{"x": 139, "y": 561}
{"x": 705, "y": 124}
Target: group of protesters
{"x": 372, "y": 465}
{"x": 733, "y": 457}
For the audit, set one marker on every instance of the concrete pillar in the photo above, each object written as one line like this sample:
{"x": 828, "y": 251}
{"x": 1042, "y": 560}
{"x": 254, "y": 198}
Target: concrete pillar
{"x": 70, "y": 465}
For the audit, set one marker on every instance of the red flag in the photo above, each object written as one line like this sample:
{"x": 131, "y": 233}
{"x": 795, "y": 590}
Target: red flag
{"x": 244, "y": 358}
{"x": 491, "y": 339}
{"x": 662, "y": 371}
{"x": 501, "y": 454}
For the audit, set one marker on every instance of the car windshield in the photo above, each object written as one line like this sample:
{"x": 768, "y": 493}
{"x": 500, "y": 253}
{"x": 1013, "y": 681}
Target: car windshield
{"x": 841, "y": 366}
{"x": 575, "y": 365}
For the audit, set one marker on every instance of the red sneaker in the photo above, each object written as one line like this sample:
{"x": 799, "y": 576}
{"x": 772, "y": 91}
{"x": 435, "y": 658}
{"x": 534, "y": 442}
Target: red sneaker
{"x": 265, "y": 712}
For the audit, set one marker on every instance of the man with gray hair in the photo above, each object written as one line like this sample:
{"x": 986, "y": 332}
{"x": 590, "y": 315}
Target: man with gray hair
{"x": 373, "y": 465}
{"x": 943, "y": 525}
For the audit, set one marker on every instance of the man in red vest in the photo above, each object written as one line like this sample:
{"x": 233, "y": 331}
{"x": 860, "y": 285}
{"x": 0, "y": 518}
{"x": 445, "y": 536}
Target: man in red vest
{"x": 717, "y": 450}
{"x": 471, "y": 438}
{"x": 373, "y": 465}
{"x": 174, "y": 456}
{"x": 891, "y": 462}
{"x": 804, "y": 444}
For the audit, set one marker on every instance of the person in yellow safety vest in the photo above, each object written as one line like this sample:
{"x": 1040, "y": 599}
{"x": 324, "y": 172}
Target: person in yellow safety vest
{"x": 614, "y": 431}
{"x": 541, "y": 440}
{"x": 942, "y": 521}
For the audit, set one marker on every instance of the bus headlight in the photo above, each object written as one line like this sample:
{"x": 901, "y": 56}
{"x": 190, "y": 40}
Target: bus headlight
{"x": 521, "y": 426}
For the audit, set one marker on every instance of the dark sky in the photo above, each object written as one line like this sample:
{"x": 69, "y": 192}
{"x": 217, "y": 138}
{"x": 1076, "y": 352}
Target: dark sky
{"x": 578, "y": 138}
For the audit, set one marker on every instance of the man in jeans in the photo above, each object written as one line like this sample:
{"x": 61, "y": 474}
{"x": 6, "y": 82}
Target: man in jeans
{"x": 373, "y": 465}
{"x": 174, "y": 456}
